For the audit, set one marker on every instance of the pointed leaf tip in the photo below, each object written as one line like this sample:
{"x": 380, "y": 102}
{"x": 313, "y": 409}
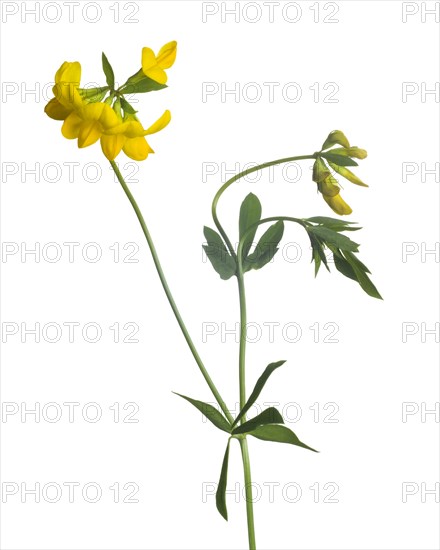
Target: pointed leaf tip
{"x": 220, "y": 496}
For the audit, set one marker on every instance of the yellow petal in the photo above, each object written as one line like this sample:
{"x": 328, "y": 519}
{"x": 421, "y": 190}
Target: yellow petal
{"x": 68, "y": 95}
{"x": 167, "y": 55}
{"x": 54, "y": 109}
{"x": 157, "y": 74}
{"x": 111, "y": 145}
{"x": 329, "y": 186}
{"x": 148, "y": 59}
{"x": 118, "y": 129}
{"x": 89, "y": 133}
{"x": 71, "y": 126}
{"x": 338, "y": 205}
{"x": 347, "y": 174}
{"x": 335, "y": 138}
{"x": 137, "y": 148}
{"x": 354, "y": 152}
{"x": 69, "y": 72}
{"x": 159, "y": 124}
{"x": 320, "y": 170}
{"x": 92, "y": 111}
{"x": 109, "y": 118}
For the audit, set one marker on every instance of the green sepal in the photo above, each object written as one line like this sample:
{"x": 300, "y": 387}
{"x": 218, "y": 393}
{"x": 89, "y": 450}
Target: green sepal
{"x": 218, "y": 254}
{"x": 141, "y": 84}
{"x": 257, "y": 389}
{"x": 92, "y": 95}
{"x": 126, "y": 106}
{"x": 268, "y": 416}
{"x": 210, "y": 412}
{"x": 220, "y": 496}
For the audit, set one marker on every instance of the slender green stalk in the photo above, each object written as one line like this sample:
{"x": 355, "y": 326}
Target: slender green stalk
{"x": 248, "y": 491}
{"x": 242, "y": 382}
{"x": 243, "y": 333}
{"x": 169, "y": 295}
{"x": 237, "y": 177}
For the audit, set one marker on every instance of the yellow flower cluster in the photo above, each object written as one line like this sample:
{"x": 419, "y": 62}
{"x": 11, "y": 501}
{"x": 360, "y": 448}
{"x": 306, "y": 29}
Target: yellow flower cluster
{"x": 338, "y": 159}
{"x": 88, "y": 119}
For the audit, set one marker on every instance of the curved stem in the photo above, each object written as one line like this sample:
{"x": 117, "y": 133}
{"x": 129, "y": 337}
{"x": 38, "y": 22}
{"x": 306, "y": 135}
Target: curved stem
{"x": 237, "y": 177}
{"x": 170, "y": 296}
{"x": 248, "y": 492}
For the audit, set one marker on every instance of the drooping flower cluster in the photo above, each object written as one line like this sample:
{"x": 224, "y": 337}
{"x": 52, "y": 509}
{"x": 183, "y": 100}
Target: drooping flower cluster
{"x": 88, "y": 115}
{"x": 338, "y": 159}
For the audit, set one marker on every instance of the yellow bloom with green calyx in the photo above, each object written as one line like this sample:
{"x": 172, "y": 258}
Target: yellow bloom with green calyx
{"x": 154, "y": 66}
{"x": 338, "y": 159}
{"x": 129, "y": 136}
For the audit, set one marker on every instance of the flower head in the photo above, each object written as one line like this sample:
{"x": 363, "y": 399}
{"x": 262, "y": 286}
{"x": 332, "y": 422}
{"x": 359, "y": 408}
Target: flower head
{"x": 338, "y": 159}
{"x": 113, "y": 121}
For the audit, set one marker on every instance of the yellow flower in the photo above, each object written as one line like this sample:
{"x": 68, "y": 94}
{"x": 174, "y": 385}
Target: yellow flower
{"x": 89, "y": 123}
{"x": 329, "y": 188}
{"x": 129, "y": 136}
{"x": 66, "y": 91}
{"x": 154, "y": 66}
{"x": 338, "y": 205}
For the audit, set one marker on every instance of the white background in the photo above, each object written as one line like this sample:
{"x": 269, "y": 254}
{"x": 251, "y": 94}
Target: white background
{"x": 370, "y": 376}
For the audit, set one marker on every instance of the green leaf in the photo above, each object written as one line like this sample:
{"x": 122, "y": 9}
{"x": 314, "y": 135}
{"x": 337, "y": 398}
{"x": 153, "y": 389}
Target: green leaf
{"x": 318, "y": 253}
{"x": 344, "y": 267}
{"x": 280, "y": 434}
{"x": 356, "y": 260}
{"x": 363, "y": 279}
{"x": 126, "y": 106}
{"x": 269, "y": 416}
{"x": 340, "y": 160}
{"x": 210, "y": 412}
{"x": 145, "y": 84}
{"x": 108, "y": 71}
{"x": 218, "y": 254}
{"x": 250, "y": 214}
{"x": 220, "y": 497}
{"x": 257, "y": 389}
{"x": 316, "y": 257}
{"x": 266, "y": 247}
{"x": 333, "y": 223}
{"x": 333, "y": 237}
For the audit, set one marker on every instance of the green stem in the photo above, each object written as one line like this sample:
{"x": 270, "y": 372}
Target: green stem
{"x": 237, "y": 177}
{"x": 243, "y": 330}
{"x": 248, "y": 492}
{"x": 242, "y": 383}
{"x": 170, "y": 296}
